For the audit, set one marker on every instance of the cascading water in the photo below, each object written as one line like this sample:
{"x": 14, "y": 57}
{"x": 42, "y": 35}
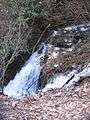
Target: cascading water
{"x": 67, "y": 80}
{"x": 25, "y": 81}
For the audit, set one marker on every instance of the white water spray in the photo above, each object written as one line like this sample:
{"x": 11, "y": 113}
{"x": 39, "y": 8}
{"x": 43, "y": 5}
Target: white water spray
{"x": 25, "y": 81}
{"x": 72, "y": 77}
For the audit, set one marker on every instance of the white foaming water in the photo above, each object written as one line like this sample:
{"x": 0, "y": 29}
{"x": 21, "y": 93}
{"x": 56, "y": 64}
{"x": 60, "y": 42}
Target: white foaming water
{"x": 72, "y": 77}
{"x": 59, "y": 81}
{"x": 25, "y": 81}
{"x": 83, "y": 27}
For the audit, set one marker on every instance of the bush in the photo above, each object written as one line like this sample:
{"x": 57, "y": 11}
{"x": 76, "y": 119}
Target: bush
{"x": 14, "y": 40}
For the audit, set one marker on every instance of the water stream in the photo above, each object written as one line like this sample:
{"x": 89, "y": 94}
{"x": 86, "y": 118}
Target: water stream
{"x": 67, "y": 80}
{"x": 25, "y": 81}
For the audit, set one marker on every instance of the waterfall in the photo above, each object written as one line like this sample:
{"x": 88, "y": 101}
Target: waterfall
{"x": 67, "y": 80}
{"x": 25, "y": 81}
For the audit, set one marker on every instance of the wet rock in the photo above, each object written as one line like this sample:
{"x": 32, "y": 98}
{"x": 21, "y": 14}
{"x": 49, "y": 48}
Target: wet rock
{"x": 69, "y": 36}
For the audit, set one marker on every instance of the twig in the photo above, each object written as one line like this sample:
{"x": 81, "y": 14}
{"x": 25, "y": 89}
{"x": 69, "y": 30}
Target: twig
{"x": 40, "y": 37}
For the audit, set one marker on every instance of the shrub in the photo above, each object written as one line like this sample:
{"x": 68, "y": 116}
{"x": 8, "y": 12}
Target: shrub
{"x": 15, "y": 39}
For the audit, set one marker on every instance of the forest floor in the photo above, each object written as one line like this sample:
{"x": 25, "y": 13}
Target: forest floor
{"x": 53, "y": 105}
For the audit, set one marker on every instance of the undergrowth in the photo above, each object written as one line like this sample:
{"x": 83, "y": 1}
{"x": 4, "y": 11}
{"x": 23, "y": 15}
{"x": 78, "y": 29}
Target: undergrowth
{"x": 14, "y": 41}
